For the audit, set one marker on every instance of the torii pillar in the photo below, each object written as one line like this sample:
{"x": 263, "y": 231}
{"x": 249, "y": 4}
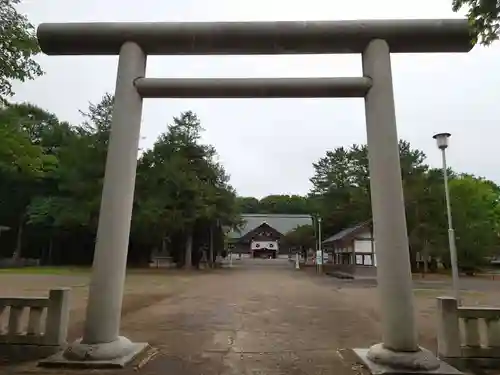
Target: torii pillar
{"x": 399, "y": 351}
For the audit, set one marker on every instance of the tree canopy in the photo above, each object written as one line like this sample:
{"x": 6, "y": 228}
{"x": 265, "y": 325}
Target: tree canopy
{"x": 56, "y": 171}
{"x": 341, "y": 190}
{"x": 18, "y": 44}
{"x": 301, "y": 238}
{"x": 274, "y": 204}
{"x": 52, "y": 174}
{"x": 484, "y": 18}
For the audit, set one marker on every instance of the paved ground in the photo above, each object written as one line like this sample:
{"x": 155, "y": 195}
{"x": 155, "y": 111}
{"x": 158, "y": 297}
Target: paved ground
{"x": 261, "y": 317}
{"x": 257, "y": 320}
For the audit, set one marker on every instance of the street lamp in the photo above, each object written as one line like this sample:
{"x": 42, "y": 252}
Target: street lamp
{"x": 442, "y": 143}
{"x": 320, "y": 248}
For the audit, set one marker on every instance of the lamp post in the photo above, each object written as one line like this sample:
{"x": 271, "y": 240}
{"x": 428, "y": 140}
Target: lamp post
{"x": 442, "y": 143}
{"x": 320, "y": 248}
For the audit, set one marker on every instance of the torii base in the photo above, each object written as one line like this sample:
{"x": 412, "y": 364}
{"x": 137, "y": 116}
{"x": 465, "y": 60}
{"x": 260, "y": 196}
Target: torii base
{"x": 422, "y": 362}
{"x": 116, "y": 354}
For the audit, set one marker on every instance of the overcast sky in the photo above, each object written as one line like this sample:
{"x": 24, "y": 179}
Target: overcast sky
{"x": 268, "y": 145}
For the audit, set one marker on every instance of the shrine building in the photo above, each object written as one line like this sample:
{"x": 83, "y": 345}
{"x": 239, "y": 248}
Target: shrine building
{"x": 261, "y": 234}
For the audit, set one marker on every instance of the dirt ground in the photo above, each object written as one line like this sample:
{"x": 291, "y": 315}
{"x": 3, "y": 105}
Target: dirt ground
{"x": 257, "y": 318}
{"x": 142, "y": 288}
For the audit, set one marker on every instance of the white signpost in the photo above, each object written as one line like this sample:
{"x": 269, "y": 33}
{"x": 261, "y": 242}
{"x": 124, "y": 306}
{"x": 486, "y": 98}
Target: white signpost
{"x": 319, "y": 258}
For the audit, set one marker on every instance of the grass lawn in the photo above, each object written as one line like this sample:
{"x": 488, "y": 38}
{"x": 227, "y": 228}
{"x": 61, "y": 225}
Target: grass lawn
{"x": 45, "y": 270}
{"x": 76, "y": 270}
{"x": 434, "y": 293}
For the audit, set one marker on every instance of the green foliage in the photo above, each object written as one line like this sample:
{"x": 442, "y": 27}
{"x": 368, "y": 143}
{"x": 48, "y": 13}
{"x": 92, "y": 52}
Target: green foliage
{"x": 52, "y": 173}
{"x": 476, "y": 213}
{"x": 99, "y": 116}
{"x": 81, "y": 152}
{"x": 484, "y": 18}
{"x": 18, "y": 44}
{"x": 275, "y": 204}
{"x": 179, "y": 177}
{"x": 181, "y": 188}
{"x": 341, "y": 190}
{"x": 20, "y": 148}
{"x": 301, "y": 238}
{"x": 248, "y": 205}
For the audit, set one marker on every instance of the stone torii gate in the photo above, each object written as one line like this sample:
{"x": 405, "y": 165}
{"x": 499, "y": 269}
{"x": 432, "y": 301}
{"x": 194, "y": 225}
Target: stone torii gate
{"x": 374, "y": 40}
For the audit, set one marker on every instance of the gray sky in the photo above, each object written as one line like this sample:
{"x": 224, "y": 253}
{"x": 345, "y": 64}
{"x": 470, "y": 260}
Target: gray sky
{"x": 268, "y": 146}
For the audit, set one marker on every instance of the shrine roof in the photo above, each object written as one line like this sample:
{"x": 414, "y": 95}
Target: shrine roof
{"x": 283, "y": 223}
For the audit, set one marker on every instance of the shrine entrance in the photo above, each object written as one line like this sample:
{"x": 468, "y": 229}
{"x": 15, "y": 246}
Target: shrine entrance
{"x": 374, "y": 40}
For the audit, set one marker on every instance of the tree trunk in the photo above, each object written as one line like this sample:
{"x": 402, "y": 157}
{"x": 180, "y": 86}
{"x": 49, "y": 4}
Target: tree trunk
{"x": 413, "y": 244}
{"x": 426, "y": 257}
{"x": 17, "y": 252}
{"x": 51, "y": 244}
{"x": 188, "y": 258}
{"x": 211, "y": 250}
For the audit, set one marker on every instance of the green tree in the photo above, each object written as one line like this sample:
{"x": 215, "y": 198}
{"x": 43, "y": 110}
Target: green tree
{"x": 275, "y": 204}
{"x": 52, "y": 175}
{"x": 18, "y": 44}
{"x": 284, "y": 204}
{"x": 341, "y": 192}
{"x": 183, "y": 193}
{"x": 24, "y": 163}
{"x": 79, "y": 177}
{"x": 248, "y": 205}
{"x": 301, "y": 238}
{"x": 341, "y": 189}
{"x": 484, "y": 17}
{"x": 476, "y": 214}
{"x": 20, "y": 148}
{"x": 424, "y": 202}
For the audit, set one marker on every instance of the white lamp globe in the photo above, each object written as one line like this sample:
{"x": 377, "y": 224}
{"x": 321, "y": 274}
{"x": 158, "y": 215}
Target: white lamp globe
{"x": 442, "y": 140}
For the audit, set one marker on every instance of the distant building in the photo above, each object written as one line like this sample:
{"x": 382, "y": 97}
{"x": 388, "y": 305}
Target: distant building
{"x": 261, "y": 234}
{"x": 353, "y": 249}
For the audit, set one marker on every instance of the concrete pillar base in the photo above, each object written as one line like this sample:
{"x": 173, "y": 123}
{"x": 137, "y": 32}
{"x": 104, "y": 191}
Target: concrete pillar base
{"x": 115, "y": 354}
{"x": 380, "y": 360}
